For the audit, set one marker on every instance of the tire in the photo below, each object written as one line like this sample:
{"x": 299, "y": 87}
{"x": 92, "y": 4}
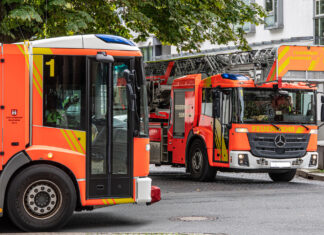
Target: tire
{"x": 283, "y": 177}
{"x": 198, "y": 162}
{"x": 41, "y": 198}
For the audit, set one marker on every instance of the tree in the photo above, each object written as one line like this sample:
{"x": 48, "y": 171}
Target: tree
{"x": 183, "y": 23}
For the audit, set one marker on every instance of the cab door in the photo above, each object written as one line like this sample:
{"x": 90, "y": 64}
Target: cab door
{"x": 222, "y": 127}
{"x": 109, "y": 162}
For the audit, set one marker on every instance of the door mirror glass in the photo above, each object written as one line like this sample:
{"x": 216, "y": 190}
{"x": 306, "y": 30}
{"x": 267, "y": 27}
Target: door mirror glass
{"x": 322, "y": 99}
{"x": 322, "y": 113}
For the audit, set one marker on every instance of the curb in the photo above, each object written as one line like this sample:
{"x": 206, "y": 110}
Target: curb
{"x": 310, "y": 174}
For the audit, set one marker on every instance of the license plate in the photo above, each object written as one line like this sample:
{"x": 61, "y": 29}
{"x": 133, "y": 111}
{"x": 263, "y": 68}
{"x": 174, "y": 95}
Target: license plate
{"x": 280, "y": 164}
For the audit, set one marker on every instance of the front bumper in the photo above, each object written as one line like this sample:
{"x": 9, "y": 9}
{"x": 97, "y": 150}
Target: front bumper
{"x": 259, "y": 163}
{"x": 145, "y": 192}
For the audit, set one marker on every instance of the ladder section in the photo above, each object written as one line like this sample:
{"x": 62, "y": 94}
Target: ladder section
{"x": 253, "y": 63}
{"x": 164, "y": 144}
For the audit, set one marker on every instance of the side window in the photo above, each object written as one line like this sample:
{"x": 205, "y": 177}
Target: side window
{"x": 226, "y": 108}
{"x": 179, "y": 114}
{"x": 203, "y": 101}
{"x": 64, "y": 91}
{"x": 209, "y": 103}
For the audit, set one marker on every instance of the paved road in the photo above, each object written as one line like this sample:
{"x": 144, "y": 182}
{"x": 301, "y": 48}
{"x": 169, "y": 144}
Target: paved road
{"x": 235, "y": 203}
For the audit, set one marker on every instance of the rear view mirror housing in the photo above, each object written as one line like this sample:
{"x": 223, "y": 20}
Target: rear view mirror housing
{"x": 103, "y": 57}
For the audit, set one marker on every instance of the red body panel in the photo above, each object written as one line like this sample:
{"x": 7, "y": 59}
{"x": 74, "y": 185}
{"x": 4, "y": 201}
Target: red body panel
{"x": 15, "y": 99}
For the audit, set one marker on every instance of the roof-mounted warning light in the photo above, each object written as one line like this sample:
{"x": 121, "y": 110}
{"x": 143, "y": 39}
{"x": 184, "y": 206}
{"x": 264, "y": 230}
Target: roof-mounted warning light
{"x": 234, "y": 77}
{"x": 114, "y": 39}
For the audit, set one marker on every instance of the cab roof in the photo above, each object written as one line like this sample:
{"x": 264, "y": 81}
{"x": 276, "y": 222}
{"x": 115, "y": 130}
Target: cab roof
{"x": 90, "y": 41}
{"x": 236, "y": 80}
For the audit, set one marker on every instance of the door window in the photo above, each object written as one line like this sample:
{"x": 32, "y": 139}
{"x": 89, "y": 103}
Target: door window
{"x": 120, "y": 120}
{"x": 98, "y": 115}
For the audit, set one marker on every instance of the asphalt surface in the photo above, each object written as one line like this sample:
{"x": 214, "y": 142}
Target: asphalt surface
{"x": 234, "y": 203}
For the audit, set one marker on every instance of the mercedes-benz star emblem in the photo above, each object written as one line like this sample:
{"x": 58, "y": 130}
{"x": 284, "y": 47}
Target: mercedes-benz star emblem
{"x": 280, "y": 141}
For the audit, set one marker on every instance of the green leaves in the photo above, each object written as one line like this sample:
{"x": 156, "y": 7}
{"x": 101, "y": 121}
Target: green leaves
{"x": 183, "y": 23}
{"x": 25, "y": 13}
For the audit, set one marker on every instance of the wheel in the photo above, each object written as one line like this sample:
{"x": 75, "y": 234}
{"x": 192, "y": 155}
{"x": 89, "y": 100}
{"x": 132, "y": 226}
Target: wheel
{"x": 41, "y": 198}
{"x": 283, "y": 177}
{"x": 198, "y": 162}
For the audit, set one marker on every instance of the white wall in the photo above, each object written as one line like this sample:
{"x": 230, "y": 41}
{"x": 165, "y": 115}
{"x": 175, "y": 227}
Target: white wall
{"x": 298, "y": 22}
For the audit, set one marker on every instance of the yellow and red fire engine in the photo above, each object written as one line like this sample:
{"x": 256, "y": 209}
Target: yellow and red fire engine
{"x": 245, "y": 111}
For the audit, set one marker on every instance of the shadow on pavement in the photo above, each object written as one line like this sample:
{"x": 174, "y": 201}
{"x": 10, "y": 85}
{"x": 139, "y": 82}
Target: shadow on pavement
{"x": 95, "y": 220}
{"x": 86, "y": 221}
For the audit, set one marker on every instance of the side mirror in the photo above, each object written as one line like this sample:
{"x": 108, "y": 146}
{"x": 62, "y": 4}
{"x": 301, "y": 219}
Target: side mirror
{"x": 322, "y": 112}
{"x": 322, "y": 99}
{"x": 216, "y": 104}
{"x": 103, "y": 57}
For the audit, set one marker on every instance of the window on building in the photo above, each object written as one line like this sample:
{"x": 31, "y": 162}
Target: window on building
{"x": 147, "y": 53}
{"x": 319, "y": 22}
{"x": 274, "y": 9}
{"x": 247, "y": 27}
{"x": 64, "y": 91}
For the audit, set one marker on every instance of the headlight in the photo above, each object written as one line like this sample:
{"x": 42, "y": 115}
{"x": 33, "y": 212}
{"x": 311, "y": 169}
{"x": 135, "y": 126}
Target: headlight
{"x": 313, "y": 131}
{"x": 241, "y": 130}
{"x": 313, "y": 160}
{"x": 148, "y": 147}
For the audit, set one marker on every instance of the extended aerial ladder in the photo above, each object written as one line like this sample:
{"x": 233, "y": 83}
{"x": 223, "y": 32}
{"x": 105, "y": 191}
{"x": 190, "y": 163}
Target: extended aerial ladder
{"x": 276, "y": 64}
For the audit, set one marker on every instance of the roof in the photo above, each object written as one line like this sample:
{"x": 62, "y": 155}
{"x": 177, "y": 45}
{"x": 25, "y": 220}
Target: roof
{"x": 91, "y": 41}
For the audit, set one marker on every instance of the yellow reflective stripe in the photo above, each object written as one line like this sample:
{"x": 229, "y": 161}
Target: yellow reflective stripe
{"x": 25, "y": 53}
{"x": 42, "y": 51}
{"x": 67, "y": 140}
{"x": 283, "y": 66}
{"x": 38, "y": 69}
{"x": 80, "y": 138}
{"x": 113, "y": 201}
{"x": 312, "y": 65}
{"x": 37, "y": 88}
{"x": 74, "y": 141}
{"x": 283, "y": 53}
{"x": 110, "y": 201}
{"x": 124, "y": 200}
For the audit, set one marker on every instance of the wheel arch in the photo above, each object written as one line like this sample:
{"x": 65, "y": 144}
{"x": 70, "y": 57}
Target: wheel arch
{"x": 190, "y": 139}
{"x": 21, "y": 161}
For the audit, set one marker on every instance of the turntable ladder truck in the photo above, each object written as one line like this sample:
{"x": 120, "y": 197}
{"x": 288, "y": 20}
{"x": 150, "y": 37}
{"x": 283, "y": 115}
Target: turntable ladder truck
{"x": 251, "y": 111}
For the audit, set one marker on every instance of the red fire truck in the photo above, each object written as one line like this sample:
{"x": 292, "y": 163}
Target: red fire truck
{"x": 74, "y": 128}
{"x": 257, "y": 113}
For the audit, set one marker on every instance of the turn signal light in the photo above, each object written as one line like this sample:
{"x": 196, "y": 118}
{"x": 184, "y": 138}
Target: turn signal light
{"x": 241, "y": 130}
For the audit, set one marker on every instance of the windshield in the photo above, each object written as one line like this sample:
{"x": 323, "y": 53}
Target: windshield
{"x": 276, "y": 106}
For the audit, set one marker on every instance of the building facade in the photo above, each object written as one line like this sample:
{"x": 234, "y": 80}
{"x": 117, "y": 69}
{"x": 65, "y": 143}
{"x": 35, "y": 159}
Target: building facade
{"x": 288, "y": 22}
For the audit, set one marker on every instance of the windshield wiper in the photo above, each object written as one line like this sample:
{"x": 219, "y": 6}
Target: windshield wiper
{"x": 303, "y": 126}
{"x": 278, "y": 128}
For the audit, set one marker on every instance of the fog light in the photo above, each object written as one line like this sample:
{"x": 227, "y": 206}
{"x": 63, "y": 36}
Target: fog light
{"x": 313, "y": 160}
{"x": 297, "y": 162}
{"x": 243, "y": 160}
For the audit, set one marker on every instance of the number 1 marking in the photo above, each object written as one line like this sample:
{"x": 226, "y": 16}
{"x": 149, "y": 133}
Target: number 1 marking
{"x": 51, "y": 63}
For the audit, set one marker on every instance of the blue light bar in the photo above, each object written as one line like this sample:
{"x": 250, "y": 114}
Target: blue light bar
{"x": 114, "y": 39}
{"x": 234, "y": 76}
